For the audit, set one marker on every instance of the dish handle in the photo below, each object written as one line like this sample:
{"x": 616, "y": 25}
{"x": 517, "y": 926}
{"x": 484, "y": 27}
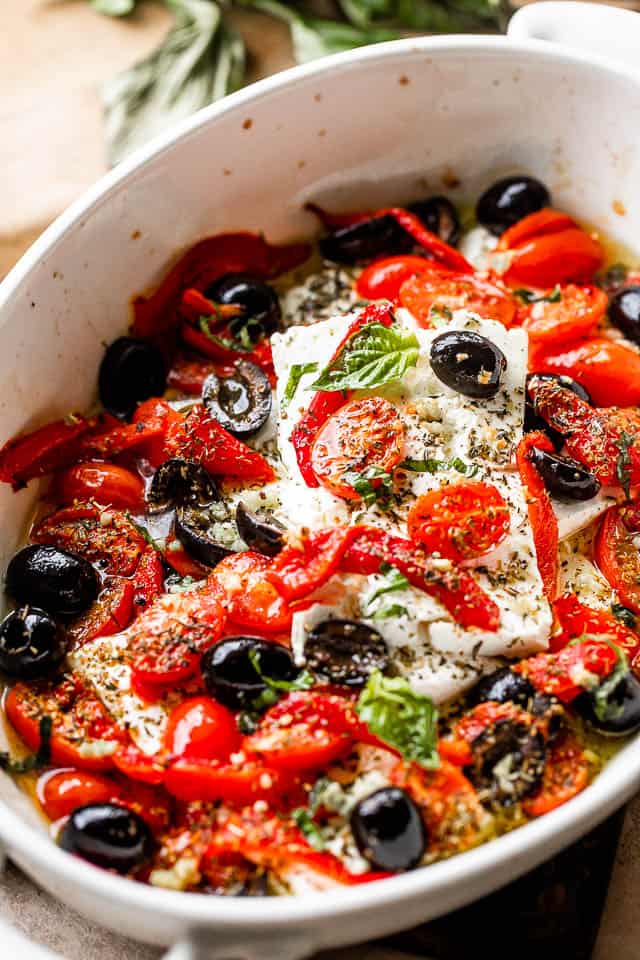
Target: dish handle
{"x": 591, "y": 27}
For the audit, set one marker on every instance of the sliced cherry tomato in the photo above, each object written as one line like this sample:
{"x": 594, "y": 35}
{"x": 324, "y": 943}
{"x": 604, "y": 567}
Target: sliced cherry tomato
{"x": 148, "y": 580}
{"x": 362, "y": 435}
{"x": 564, "y": 674}
{"x": 617, "y": 554}
{"x": 167, "y": 640}
{"x": 298, "y": 571}
{"x": 304, "y": 731}
{"x": 566, "y": 774}
{"x": 198, "y": 436}
{"x": 575, "y": 619}
{"x": 83, "y": 734}
{"x": 544, "y": 524}
{"x": 42, "y": 451}
{"x": 382, "y": 279}
{"x": 205, "y": 262}
{"x": 99, "y": 534}
{"x": 547, "y": 247}
{"x": 201, "y": 729}
{"x": 136, "y": 765}
{"x": 153, "y": 449}
{"x": 578, "y": 311}
{"x": 460, "y": 521}
{"x": 60, "y": 792}
{"x": 104, "y": 483}
{"x": 609, "y": 371}
{"x": 251, "y": 601}
{"x": 432, "y": 292}
{"x": 456, "y": 589}
{"x": 237, "y": 785}
{"x": 111, "y": 613}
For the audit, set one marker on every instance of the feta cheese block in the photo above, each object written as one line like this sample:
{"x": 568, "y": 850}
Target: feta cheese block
{"x": 462, "y": 437}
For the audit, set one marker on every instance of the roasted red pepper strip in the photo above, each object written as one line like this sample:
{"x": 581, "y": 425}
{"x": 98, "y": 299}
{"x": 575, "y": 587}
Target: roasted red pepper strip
{"x": 260, "y": 355}
{"x": 189, "y": 373}
{"x": 569, "y": 672}
{"x": 542, "y": 518}
{"x": 116, "y": 440}
{"x": 456, "y": 590}
{"x": 110, "y": 614}
{"x": 148, "y": 580}
{"x": 203, "y": 263}
{"x": 575, "y": 619}
{"x": 297, "y": 572}
{"x": 46, "y": 449}
{"x": 194, "y": 305}
{"x": 414, "y": 226}
{"x": 324, "y": 403}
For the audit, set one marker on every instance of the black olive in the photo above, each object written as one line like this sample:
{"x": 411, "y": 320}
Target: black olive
{"x": 532, "y": 420}
{"x": 241, "y": 403}
{"x": 440, "y": 216}
{"x": 31, "y": 644}
{"x": 624, "y": 312}
{"x": 260, "y": 305}
{"x": 549, "y": 708}
{"x": 108, "y": 835}
{"x": 508, "y": 762}
{"x": 502, "y": 686}
{"x": 231, "y": 677}
{"x": 177, "y": 482}
{"x": 388, "y": 830}
{"x": 345, "y": 651}
{"x": 131, "y": 371}
{"x": 207, "y": 531}
{"x": 564, "y": 477}
{"x": 509, "y": 200}
{"x": 263, "y": 534}
{"x": 615, "y": 713}
{"x": 468, "y": 363}
{"x": 53, "y": 579}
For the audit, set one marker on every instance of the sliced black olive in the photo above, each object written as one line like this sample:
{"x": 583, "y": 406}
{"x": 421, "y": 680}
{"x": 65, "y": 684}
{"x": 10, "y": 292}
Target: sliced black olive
{"x": 549, "y": 708}
{"x": 31, "y": 644}
{"x": 230, "y": 675}
{"x": 564, "y": 477}
{"x": 509, "y": 200}
{"x": 178, "y": 482}
{"x": 260, "y": 305}
{"x": 241, "y": 403}
{"x": 624, "y": 312}
{"x": 508, "y": 762}
{"x": 345, "y": 651}
{"x": 614, "y": 712}
{"x": 440, "y": 216}
{"x": 108, "y": 835}
{"x": 261, "y": 533}
{"x": 532, "y": 420}
{"x": 131, "y": 371}
{"x": 502, "y": 686}
{"x": 208, "y": 532}
{"x": 468, "y": 363}
{"x": 388, "y": 830}
{"x": 53, "y": 579}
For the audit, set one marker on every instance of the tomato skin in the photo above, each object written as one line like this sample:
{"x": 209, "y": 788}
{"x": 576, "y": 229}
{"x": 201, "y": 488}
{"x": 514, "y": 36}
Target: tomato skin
{"x": 547, "y": 248}
{"x": 575, "y": 619}
{"x": 576, "y": 315}
{"x": 566, "y": 774}
{"x": 100, "y": 535}
{"x": 192, "y": 780}
{"x": 553, "y": 673}
{"x": 609, "y": 371}
{"x": 460, "y": 521}
{"x": 538, "y": 224}
{"x": 241, "y": 581}
{"x": 103, "y": 483}
{"x": 469, "y": 291}
{"x": 382, "y": 279}
{"x": 60, "y": 792}
{"x": 111, "y": 613}
{"x": 201, "y": 729}
{"x": 361, "y": 434}
{"x": 544, "y": 524}
{"x": 617, "y": 556}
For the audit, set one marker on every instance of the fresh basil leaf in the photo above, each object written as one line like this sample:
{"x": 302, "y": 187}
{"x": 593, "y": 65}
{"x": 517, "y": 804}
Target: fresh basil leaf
{"x": 394, "y": 580}
{"x": 529, "y": 296}
{"x": 42, "y": 758}
{"x": 624, "y": 615}
{"x": 200, "y": 60}
{"x": 311, "y": 830}
{"x": 391, "y": 610}
{"x": 401, "y": 717}
{"x": 228, "y": 343}
{"x": 433, "y": 466}
{"x": 623, "y": 462}
{"x": 114, "y": 8}
{"x": 371, "y": 493}
{"x": 297, "y": 372}
{"x": 373, "y": 356}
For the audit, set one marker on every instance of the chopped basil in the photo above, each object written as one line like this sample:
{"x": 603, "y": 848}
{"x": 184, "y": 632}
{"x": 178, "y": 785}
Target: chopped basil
{"x": 433, "y": 466}
{"x": 311, "y": 830}
{"x": 242, "y": 343}
{"x": 394, "y": 581}
{"x": 371, "y": 357}
{"x": 371, "y": 493}
{"x": 623, "y": 462}
{"x": 296, "y": 374}
{"x": 391, "y": 610}
{"x": 529, "y": 296}
{"x": 401, "y": 717}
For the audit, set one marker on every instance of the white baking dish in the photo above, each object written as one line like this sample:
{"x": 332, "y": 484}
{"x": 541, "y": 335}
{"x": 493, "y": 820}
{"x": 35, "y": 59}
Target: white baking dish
{"x": 382, "y": 124}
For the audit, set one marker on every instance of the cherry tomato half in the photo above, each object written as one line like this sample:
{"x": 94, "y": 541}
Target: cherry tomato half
{"x": 382, "y": 279}
{"x": 575, "y": 314}
{"x": 201, "y": 729}
{"x": 251, "y": 601}
{"x": 103, "y": 483}
{"x": 617, "y": 554}
{"x": 609, "y": 371}
{"x": 61, "y": 791}
{"x": 566, "y": 774}
{"x": 434, "y": 292}
{"x": 461, "y": 521}
{"x": 99, "y": 534}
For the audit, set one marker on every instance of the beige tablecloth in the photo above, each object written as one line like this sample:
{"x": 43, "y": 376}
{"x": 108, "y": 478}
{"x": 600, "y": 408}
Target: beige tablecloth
{"x": 53, "y": 56}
